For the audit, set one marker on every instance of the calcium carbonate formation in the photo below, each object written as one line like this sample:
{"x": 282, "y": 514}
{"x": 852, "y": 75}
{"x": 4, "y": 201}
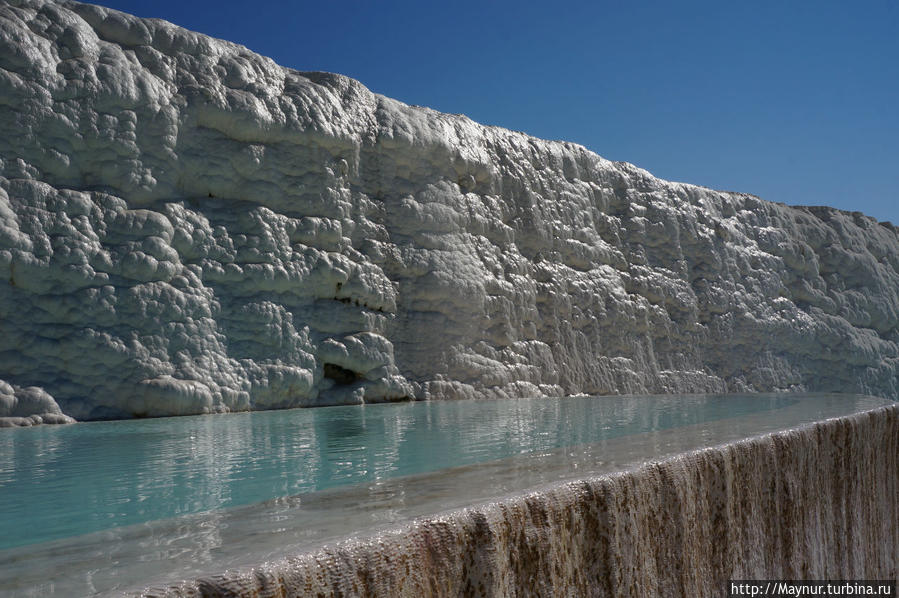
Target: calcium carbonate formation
{"x": 782, "y": 506}
{"x": 187, "y": 227}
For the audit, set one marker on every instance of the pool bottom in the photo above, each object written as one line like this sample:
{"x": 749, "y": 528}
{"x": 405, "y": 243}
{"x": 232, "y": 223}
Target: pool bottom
{"x": 815, "y": 502}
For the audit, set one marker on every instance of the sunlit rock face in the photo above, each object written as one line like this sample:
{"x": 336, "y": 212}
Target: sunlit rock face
{"x": 187, "y": 227}
{"x": 28, "y": 407}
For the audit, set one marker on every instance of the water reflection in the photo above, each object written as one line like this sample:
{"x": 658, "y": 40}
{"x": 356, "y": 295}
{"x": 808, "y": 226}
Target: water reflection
{"x": 447, "y": 455}
{"x": 57, "y": 482}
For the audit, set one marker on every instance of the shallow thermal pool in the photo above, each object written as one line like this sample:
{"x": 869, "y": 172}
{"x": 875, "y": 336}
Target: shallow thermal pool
{"x": 110, "y": 506}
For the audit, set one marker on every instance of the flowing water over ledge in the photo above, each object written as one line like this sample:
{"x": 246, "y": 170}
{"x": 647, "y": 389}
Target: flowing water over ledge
{"x": 107, "y": 507}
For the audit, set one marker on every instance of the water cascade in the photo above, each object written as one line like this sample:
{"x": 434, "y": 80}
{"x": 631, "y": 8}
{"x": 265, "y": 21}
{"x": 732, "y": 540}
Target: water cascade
{"x": 816, "y": 502}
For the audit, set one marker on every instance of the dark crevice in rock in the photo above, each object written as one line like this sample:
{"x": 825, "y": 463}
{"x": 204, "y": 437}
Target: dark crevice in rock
{"x": 341, "y": 375}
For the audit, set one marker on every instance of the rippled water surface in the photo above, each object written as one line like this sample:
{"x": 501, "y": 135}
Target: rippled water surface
{"x": 59, "y": 484}
{"x": 64, "y": 481}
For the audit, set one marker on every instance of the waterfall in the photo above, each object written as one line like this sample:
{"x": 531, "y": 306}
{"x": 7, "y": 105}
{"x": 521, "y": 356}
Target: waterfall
{"x": 815, "y": 502}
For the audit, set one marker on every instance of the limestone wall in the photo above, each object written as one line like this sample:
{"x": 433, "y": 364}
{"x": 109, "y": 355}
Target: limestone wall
{"x": 187, "y": 227}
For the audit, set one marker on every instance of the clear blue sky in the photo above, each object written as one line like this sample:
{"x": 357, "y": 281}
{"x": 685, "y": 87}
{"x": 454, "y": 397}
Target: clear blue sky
{"x": 794, "y": 101}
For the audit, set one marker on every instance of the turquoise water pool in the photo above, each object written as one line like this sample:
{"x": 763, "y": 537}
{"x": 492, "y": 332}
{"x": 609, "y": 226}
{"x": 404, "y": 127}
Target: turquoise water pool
{"x": 100, "y": 507}
{"x": 60, "y": 481}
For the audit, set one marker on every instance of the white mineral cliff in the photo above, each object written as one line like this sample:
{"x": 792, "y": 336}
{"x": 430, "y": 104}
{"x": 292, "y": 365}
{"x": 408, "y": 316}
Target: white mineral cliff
{"x": 187, "y": 227}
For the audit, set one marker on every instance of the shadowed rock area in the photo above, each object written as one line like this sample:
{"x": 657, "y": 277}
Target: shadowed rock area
{"x": 187, "y": 227}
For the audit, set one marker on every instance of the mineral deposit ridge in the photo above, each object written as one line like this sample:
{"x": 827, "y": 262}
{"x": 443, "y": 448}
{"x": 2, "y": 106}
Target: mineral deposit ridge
{"x": 187, "y": 227}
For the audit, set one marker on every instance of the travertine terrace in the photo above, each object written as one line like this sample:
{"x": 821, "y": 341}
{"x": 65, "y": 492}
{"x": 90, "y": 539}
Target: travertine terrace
{"x": 187, "y": 227}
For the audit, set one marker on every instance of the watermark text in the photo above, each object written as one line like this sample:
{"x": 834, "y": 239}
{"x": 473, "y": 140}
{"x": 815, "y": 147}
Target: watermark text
{"x": 773, "y": 587}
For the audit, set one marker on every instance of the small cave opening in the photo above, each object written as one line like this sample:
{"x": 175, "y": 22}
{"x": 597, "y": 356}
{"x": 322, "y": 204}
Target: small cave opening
{"x": 341, "y": 375}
